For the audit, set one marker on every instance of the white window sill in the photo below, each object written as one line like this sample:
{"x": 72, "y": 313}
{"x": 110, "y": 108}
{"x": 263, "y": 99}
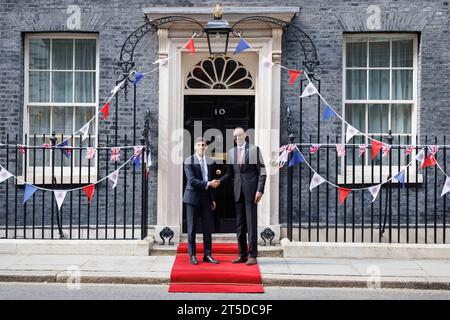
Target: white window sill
{"x": 67, "y": 178}
{"x": 358, "y": 178}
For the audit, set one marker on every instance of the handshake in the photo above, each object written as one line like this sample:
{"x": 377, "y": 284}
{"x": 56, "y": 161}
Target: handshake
{"x": 213, "y": 183}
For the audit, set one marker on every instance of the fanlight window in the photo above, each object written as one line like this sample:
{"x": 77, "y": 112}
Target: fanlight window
{"x": 219, "y": 73}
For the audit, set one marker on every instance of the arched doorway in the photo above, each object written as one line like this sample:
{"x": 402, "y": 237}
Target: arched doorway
{"x": 218, "y": 96}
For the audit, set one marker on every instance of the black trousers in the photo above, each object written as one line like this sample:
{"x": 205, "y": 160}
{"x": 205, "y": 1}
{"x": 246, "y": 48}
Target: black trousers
{"x": 203, "y": 210}
{"x": 246, "y": 221}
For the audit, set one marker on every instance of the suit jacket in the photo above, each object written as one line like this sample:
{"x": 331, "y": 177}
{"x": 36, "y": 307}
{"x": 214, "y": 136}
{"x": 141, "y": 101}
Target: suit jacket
{"x": 195, "y": 184}
{"x": 251, "y": 177}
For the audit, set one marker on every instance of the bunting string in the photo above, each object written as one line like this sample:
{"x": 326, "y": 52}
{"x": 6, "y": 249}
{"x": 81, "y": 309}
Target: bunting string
{"x": 19, "y": 180}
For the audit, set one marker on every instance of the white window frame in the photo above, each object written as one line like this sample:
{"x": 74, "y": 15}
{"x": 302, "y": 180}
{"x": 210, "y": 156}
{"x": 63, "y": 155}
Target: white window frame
{"x": 88, "y": 175}
{"x": 377, "y": 175}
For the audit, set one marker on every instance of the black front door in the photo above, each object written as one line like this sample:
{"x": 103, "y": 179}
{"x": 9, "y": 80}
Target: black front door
{"x": 220, "y": 113}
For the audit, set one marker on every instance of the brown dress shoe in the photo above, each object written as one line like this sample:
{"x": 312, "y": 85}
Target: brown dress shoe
{"x": 239, "y": 260}
{"x": 251, "y": 261}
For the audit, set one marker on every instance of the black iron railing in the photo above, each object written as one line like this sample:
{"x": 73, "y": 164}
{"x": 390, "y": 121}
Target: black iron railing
{"x": 119, "y": 213}
{"x": 413, "y": 212}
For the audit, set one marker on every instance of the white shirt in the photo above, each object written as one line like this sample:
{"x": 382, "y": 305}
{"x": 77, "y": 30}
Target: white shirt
{"x": 241, "y": 149}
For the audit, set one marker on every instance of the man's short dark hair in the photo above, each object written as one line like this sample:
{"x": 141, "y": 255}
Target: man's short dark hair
{"x": 199, "y": 139}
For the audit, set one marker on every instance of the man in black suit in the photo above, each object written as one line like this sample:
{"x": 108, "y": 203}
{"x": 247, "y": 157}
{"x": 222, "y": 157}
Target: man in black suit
{"x": 199, "y": 197}
{"x": 245, "y": 164}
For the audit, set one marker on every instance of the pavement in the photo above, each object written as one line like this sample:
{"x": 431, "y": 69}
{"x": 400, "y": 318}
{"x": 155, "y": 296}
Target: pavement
{"x": 276, "y": 271}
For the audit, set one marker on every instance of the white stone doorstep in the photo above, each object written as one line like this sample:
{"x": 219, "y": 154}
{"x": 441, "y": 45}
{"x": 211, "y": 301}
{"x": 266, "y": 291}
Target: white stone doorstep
{"x": 364, "y": 250}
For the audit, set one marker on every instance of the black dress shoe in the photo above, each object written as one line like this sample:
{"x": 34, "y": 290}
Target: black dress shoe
{"x": 210, "y": 259}
{"x": 193, "y": 260}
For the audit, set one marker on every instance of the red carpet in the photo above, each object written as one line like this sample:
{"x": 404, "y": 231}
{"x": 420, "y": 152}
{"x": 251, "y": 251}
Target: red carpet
{"x": 224, "y": 277}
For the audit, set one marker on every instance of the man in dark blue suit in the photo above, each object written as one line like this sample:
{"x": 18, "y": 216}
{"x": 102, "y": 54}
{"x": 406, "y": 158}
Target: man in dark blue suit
{"x": 199, "y": 197}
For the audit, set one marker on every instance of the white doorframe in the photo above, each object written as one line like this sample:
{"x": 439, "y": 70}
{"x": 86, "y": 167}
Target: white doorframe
{"x": 171, "y": 113}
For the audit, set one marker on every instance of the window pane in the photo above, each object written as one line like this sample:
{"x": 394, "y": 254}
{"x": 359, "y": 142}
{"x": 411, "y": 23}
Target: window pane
{"x": 356, "y": 84}
{"x": 379, "y": 53}
{"x": 398, "y": 152}
{"x": 402, "y": 53}
{"x": 402, "y": 84}
{"x": 36, "y": 156}
{"x": 39, "y": 120}
{"x": 401, "y": 118}
{"x": 39, "y": 54}
{"x": 85, "y": 54}
{"x": 63, "y": 120}
{"x": 83, "y": 115}
{"x": 62, "y": 86}
{"x": 356, "y": 54}
{"x": 355, "y": 114}
{"x": 378, "y": 118}
{"x": 62, "y": 54}
{"x": 39, "y": 87}
{"x": 379, "y": 84}
{"x": 84, "y": 86}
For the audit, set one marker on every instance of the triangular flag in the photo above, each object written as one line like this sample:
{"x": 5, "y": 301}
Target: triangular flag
{"x": 137, "y": 156}
{"x": 401, "y": 177}
{"x": 374, "y": 191}
{"x": 343, "y": 193}
{"x": 309, "y": 90}
{"x": 283, "y": 158}
{"x": 315, "y": 181}
{"x": 328, "y": 113}
{"x": 59, "y": 197}
{"x": 386, "y": 149}
{"x": 64, "y": 144}
{"x": 4, "y": 175}
{"x": 162, "y": 61}
{"x": 376, "y": 148}
{"x": 84, "y": 131}
{"x": 296, "y": 158}
{"x": 241, "y": 46}
{"x": 351, "y": 132}
{"x": 117, "y": 87}
{"x": 190, "y": 45}
{"x": 29, "y": 190}
{"x": 114, "y": 177}
{"x": 138, "y": 77}
{"x": 267, "y": 63}
{"x": 421, "y": 156}
{"x": 429, "y": 162}
{"x": 89, "y": 190}
{"x": 105, "y": 110}
{"x": 293, "y": 75}
{"x": 446, "y": 186}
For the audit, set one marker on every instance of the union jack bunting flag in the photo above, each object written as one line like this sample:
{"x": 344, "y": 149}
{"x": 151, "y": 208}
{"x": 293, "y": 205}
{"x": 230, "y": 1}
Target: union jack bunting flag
{"x": 291, "y": 147}
{"x": 137, "y": 151}
{"x": 340, "y": 149}
{"x": 314, "y": 148}
{"x": 362, "y": 149}
{"x": 46, "y": 146}
{"x": 282, "y": 148}
{"x": 21, "y": 149}
{"x": 137, "y": 156}
{"x": 409, "y": 150}
{"x": 433, "y": 149}
{"x": 90, "y": 153}
{"x": 115, "y": 154}
{"x": 386, "y": 148}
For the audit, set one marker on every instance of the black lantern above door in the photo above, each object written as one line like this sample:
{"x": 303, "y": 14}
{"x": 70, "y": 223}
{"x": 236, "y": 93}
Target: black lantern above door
{"x": 217, "y": 32}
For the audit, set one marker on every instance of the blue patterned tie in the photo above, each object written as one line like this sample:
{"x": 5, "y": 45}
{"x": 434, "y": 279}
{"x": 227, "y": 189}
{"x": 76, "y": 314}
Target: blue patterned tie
{"x": 202, "y": 166}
